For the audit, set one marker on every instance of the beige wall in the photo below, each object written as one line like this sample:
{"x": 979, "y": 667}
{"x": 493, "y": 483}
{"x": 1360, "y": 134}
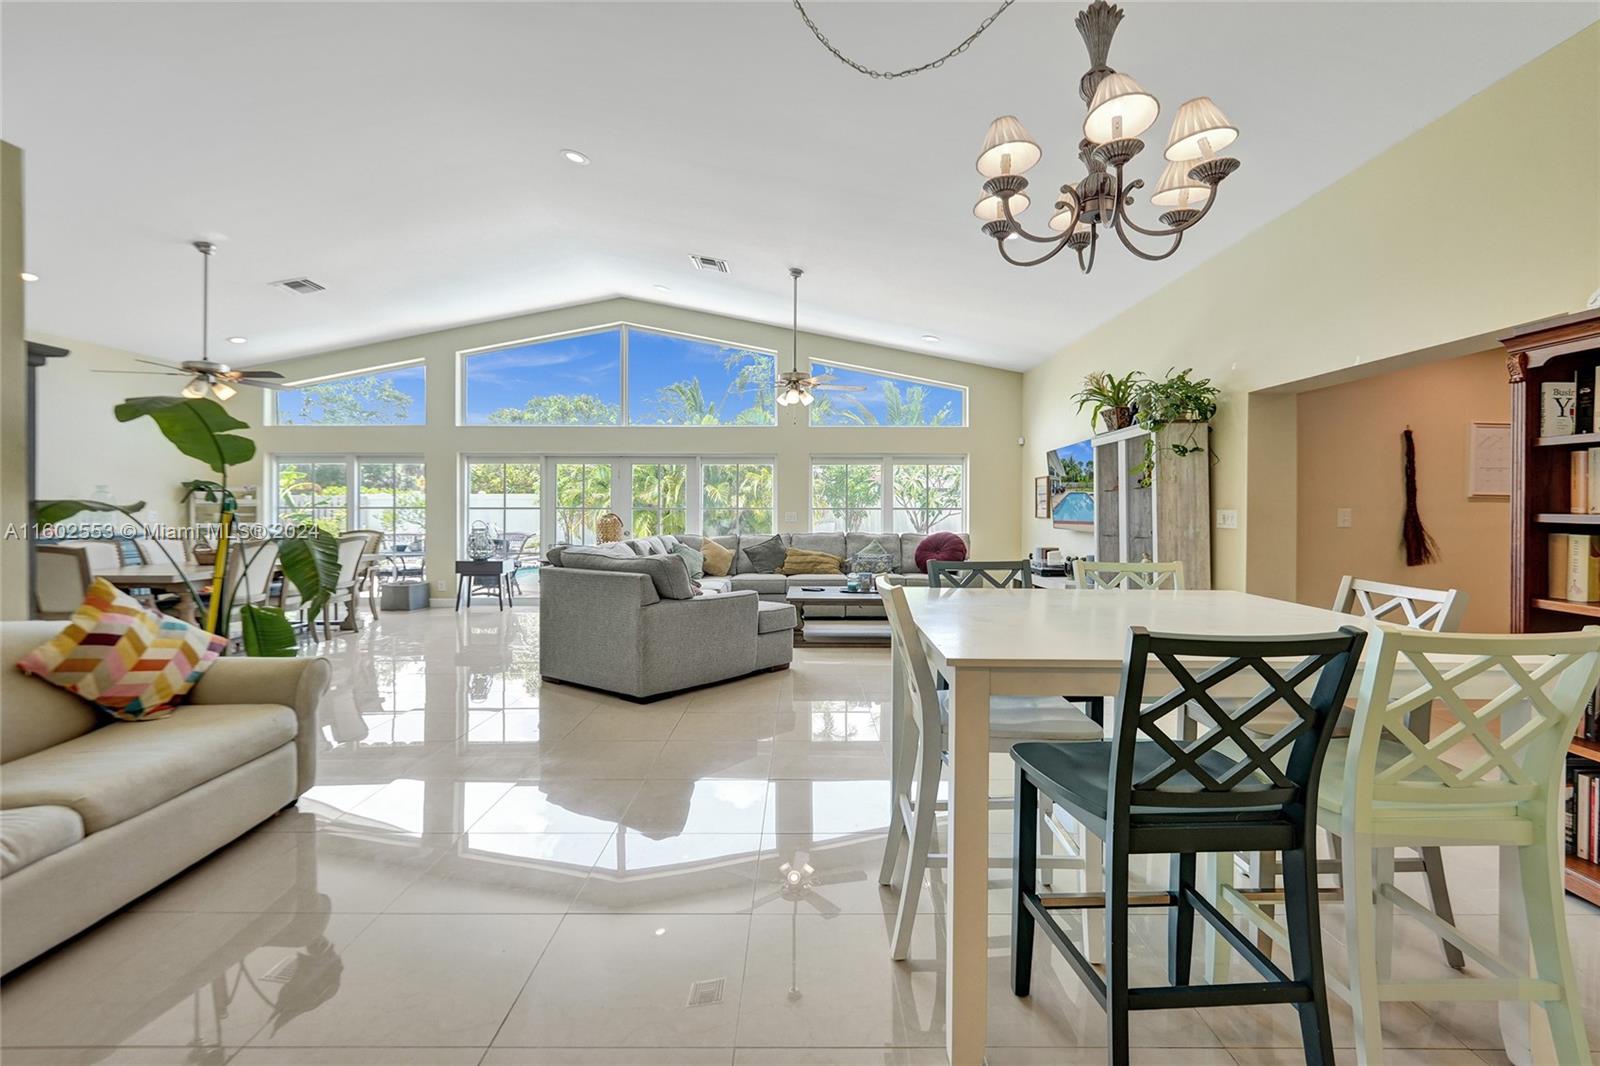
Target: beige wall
{"x": 14, "y": 508}
{"x": 989, "y": 439}
{"x": 83, "y": 449}
{"x": 1350, "y": 456}
{"x": 1419, "y": 247}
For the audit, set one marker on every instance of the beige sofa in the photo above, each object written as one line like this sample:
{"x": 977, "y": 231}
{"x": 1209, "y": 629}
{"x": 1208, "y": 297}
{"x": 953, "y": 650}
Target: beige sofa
{"x": 95, "y": 812}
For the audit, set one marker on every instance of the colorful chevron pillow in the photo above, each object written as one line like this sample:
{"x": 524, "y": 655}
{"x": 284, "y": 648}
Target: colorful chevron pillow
{"x": 132, "y": 663}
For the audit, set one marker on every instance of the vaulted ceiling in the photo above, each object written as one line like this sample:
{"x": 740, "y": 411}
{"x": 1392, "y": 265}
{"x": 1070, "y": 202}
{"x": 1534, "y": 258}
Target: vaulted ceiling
{"x": 407, "y": 156}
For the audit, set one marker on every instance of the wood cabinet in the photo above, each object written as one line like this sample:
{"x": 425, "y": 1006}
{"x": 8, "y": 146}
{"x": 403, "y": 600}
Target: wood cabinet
{"x": 1556, "y": 349}
{"x": 1162, "y": 514}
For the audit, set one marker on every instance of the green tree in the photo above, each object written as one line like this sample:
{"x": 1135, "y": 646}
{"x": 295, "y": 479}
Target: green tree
{"x": 583, "y": 494}
{"x": 927, "y": 494}
{"x": 371, "y": 400}
{"x": 907, "y": 408}
{"x": 560, "y": 409}
{"x": 750, "y": 395}
{"x": 851, "y": 494}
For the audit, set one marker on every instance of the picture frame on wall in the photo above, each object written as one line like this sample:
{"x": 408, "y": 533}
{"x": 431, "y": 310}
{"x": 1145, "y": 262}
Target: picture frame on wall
{"x": 1489, "y": 460}
{"x": 1071, "y": 486}
{"x": 1041, "y": 497}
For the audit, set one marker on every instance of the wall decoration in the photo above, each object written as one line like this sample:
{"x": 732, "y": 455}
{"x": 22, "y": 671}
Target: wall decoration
{"x": 1041, "y": 497}
{"x": 1417, "y": 541}
{"x": 1488, "y": 460}
{"x": 1072, "y": 486}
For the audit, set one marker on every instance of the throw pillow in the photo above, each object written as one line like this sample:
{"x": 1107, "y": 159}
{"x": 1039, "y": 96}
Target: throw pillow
{"x": 765, "y": 555}
{"x": 695, "y": 560}
{"x": 132, "y": 663}
{"x": 942, "y": 548}
{"x": 799, "y": 561}
{"x": 873, "y": 559}
{"x": 718, "y": 560}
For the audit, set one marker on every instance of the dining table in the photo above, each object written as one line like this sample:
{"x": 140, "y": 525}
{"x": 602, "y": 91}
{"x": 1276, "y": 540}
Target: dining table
{"x": 1071, "y": 643}
{"x": 164, "y": 577}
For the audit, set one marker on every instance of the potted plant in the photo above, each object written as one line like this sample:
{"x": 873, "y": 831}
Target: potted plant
{"x": 1175, "y": 400}
{"x": 1109, "y": 397}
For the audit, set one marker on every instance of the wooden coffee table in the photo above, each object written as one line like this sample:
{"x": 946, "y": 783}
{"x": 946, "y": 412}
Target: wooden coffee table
{"x": 865, "y": 632}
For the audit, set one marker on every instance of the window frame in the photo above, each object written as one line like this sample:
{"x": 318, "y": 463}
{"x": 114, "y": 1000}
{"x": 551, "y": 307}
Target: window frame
{"x": 351, "y": 461}
{"x": 273, "y": 396}
{"x": 464, "y": 506}
{"x": 966, "y": 393}
{"x": 877, "y": 462}
{"x": 736, "y": 461}
{"x": 624, "y": 411}
{"x": 887, "y": 465}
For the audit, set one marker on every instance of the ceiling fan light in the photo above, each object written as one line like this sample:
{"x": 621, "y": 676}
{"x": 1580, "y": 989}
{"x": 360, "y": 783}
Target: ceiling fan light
{"x": 1120, "y": 109}
{"x": 806, "y": 398}
{"x": 196, "y": 389}
{"x": 1177, "y": 189}
{"x": 1007, "y": 149}
{"x": 223, "y": 391}
{"x": 1199, "y": 131}
{"x": 991, "y": 208}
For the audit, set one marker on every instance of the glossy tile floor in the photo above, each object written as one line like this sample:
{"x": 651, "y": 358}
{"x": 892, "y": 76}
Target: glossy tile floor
{"x": 492, "y": 870}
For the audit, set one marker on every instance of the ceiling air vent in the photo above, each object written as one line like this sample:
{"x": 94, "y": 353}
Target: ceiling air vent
{"x": 706, "y": 262}
{"x": 303, "y": 286}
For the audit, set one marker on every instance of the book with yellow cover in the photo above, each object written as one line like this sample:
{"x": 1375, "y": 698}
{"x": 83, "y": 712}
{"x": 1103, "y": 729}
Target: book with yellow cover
{"x": 1583, "y": 567}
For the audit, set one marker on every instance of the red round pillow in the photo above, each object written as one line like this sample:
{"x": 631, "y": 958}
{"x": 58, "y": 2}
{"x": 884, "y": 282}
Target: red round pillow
{"x": 940, "y": 548}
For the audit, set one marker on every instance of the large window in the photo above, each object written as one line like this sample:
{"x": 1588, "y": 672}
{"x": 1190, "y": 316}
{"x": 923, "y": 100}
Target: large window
{"x": 846, "y": 497}
{"x": 902, "y": 495}
{"x": 565, "y": 381}
{"x": 736, "y": 498}
{"x": 684, "y": 381}
{"x": 660, "y": 498}
{"x": 578, "y": 380}
{"x": 885, "y": 400}
{"x": 388, "y": 397}
{"x": 505, "y": 495}
{"x": 583, "y": 494}
{"x": 340, "y": 492}
{"x": 392, "y": 497}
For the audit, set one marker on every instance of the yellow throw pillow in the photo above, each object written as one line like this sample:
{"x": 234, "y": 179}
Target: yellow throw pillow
{"x": 800, "y": 561}
{"x": 132, "y": 663}
{"x": 719, "y": 560}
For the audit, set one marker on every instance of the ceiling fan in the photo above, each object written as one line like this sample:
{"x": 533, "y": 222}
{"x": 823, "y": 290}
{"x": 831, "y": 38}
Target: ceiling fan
{"x": 203, "y": 374}
{"x": 794, "y": 385}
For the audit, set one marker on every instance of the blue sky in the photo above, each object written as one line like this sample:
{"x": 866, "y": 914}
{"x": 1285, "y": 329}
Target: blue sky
{"x": 411, "y": 380}
{"x": 587, "y": 363}
{"x": 656, "y": 360}
{"x": 873, "y": 398}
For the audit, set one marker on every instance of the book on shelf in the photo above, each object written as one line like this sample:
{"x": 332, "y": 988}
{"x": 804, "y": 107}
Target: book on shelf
{"x": 1557, "y": 400}
{"x": 1574, "y": 567}
{"x": 1583, "y": 404}
{"x": 1578, "y": 482}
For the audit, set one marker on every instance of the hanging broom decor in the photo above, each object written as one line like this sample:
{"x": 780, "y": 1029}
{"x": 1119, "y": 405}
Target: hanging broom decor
{"x": 1419, "y": 543}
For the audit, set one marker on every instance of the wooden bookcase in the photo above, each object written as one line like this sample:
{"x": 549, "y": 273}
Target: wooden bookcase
{"x": 1165, "y": 520}
{"x": 1555, "y": 349}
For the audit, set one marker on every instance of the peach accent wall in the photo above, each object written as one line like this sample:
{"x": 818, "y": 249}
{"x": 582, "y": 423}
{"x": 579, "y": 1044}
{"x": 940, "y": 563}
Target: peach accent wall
{"x": 1349, "y": 455}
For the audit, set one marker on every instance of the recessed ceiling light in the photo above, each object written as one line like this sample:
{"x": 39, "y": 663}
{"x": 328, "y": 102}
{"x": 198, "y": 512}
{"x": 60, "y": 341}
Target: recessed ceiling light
{"x": 662, "y": 288}
{"x": 930, "y": 338}
{"x": 237, "y": 340}
{"x": 27, "y": 276}
{"x": 572, "y": 155}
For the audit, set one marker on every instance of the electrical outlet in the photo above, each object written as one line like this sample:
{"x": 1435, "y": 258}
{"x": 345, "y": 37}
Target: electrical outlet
{"x": 1227, "y": 519}
{"x": 441, "y": 585}
{"x": 1341, "y": 518}
{"x": 791, "y": 516}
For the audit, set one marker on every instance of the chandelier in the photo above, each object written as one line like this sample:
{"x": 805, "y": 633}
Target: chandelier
{"x": 1119, "y": 111}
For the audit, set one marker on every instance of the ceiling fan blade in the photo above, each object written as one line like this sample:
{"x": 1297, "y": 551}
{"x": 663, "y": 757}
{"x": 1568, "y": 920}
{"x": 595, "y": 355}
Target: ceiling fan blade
{"x": 164, "y": 366}
{"x": 841, "y": 388}
{"x": 147, "y": 373}
{"x": 820, "y": 378}
{"x": 258, "y": 373}
{"x": 255, "y": 383}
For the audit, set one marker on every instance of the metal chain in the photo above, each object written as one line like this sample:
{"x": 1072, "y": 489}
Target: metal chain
{"x": 934, "y": 65}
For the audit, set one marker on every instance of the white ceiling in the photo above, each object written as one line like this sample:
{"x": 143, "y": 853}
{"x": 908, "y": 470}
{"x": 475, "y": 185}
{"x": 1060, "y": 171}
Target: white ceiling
{"x": 406, "y": 155}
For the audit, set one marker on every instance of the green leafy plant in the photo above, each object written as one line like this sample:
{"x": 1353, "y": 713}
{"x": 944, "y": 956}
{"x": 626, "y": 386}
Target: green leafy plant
{"x": 1177, "y": 399}
{"x": 202, "y": 429}
{"x": 1108, "y": 394}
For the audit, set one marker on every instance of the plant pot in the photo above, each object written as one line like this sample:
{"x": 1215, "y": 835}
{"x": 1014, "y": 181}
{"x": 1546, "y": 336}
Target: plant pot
{"x": 1117, "y": 418}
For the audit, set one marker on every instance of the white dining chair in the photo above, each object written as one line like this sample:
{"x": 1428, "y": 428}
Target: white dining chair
{"x": 919, "y": 767}
{"x": 1492, "y": 777}
{"x": 1146, "y": 575}
{"x": 61, "y": 578}
{"x": 352, "y": 547}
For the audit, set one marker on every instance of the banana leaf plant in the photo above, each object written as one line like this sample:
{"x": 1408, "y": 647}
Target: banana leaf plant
{"x": 202, "y": 429}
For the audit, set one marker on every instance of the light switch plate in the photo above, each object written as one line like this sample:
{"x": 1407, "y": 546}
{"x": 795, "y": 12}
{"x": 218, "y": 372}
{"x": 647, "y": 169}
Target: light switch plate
{"x": 1227, "y": 519}
{"x": 1342, "y": 518}
{"x": 791, "y": 516}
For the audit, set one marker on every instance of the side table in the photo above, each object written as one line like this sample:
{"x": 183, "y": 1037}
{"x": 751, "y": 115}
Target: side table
{"x": 471, "y": 572}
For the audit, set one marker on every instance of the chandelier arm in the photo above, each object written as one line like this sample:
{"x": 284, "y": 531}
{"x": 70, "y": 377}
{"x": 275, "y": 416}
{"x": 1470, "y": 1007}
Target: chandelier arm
{"x": 1138, "y": 183}
{"x": 1177, "y": 239}
{"x": 1094, "y": 242}
{"x": 1005, "y": 207}
{"x": 1046, "y": 257}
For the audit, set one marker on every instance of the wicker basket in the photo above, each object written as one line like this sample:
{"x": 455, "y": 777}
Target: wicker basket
{"x": 609, "y": 528}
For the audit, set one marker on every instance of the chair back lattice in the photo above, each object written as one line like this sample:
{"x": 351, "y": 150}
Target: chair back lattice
{"x": 1093, "y": 575}
{"x": 919, "y": 677}
{"x": 1229, "y": 765}
{"x": 1483, "y": 755}
{"x": 1402, "y": 605}
{"x": 969, "y": 574}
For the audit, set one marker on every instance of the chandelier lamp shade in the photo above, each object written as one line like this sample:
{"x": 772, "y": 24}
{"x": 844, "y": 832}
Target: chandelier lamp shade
{"x": 1119, "y": 112}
